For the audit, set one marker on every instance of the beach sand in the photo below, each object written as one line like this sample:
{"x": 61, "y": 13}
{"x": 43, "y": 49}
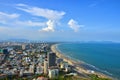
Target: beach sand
{"x": 76, "y": 64}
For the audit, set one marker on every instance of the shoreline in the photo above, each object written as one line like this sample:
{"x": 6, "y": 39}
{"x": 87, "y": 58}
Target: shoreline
{"x": 76, "y": 64}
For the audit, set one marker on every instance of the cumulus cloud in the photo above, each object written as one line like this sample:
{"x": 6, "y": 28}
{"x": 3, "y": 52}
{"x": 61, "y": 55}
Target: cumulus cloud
{"x": 50, "y": 27}
{"x": 53, "y": 16}
{"x": 74, "y": 25}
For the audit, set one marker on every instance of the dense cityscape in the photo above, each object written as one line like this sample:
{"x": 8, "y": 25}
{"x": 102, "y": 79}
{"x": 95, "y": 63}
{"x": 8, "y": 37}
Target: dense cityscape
{"x": 34, "y": 61}
{"x": 25, "y": 60}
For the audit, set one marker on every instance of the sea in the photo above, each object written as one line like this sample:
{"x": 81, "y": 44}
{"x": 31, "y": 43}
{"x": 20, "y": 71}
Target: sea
{"x": 102, "y": 57}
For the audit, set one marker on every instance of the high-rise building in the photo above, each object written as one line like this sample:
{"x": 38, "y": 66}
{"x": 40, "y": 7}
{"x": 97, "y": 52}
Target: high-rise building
{"x": 1, "y": 51}
{"x": 23, "y": 47}
{"x": 51, "y": 59}
{"x": 45, "y": 67}
{"x": 5, "y": 51}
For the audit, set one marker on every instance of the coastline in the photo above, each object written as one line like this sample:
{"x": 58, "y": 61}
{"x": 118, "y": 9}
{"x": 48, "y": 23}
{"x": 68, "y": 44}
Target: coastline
{"x": 76, "y": 64}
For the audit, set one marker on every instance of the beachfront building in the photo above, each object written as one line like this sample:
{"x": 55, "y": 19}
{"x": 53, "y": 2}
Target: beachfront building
{"x": 58, "y": 61}
{"x": 64, "y": 65}
{"x": 51, "y": 59}
{"x": 68, "y": 69}
{"x": 53, "y": 73}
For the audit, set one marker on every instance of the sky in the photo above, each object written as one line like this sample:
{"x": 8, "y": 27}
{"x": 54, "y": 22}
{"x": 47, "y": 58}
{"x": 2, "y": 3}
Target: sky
{"x": 60, "y": 20}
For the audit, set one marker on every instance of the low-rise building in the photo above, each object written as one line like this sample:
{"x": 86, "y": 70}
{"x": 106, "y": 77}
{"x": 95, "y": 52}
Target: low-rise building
{"x": 53, "y": 73}
{"x": 31, "y": 68}
{"x": 64, "y": 65}
{"x": 39, "y": 70}
{"x": 2, "y": 76}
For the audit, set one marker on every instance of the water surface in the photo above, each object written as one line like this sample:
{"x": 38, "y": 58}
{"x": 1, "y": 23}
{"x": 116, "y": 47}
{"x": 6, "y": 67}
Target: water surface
{"x": 104, "y": 56}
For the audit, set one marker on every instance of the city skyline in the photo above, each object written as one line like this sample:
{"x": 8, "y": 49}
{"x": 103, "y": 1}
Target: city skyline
{"x": 88, "y": 20}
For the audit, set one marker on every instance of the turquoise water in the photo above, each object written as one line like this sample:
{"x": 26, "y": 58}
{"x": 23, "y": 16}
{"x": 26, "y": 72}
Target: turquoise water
{"x": 103, "y": 56}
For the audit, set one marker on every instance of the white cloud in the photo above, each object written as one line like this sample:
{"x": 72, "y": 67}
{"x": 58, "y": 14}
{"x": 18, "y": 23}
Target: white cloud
{"x": 74, "y": 25}
{"x": 21, "y": 4}
{"x": 30, "y": 23}
{"x": 4, "y": 17}
{"x": 50, "y": 27}
{"x": 53, "y": 16}
{"x": 12, "y": 16}
{"x": 13, "y": 20}
{"x": 46, "y": 13}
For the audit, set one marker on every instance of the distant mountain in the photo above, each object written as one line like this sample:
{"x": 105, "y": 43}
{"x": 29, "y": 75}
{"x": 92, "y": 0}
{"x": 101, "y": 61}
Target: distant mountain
{"x": 104, "y": 42}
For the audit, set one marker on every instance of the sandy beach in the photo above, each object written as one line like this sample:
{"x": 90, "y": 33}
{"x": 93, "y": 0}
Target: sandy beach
{"x": 76, "y": 64}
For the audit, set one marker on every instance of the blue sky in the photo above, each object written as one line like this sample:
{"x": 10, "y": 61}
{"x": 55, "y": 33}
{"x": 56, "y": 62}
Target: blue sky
{"x": 60, "y": 20}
